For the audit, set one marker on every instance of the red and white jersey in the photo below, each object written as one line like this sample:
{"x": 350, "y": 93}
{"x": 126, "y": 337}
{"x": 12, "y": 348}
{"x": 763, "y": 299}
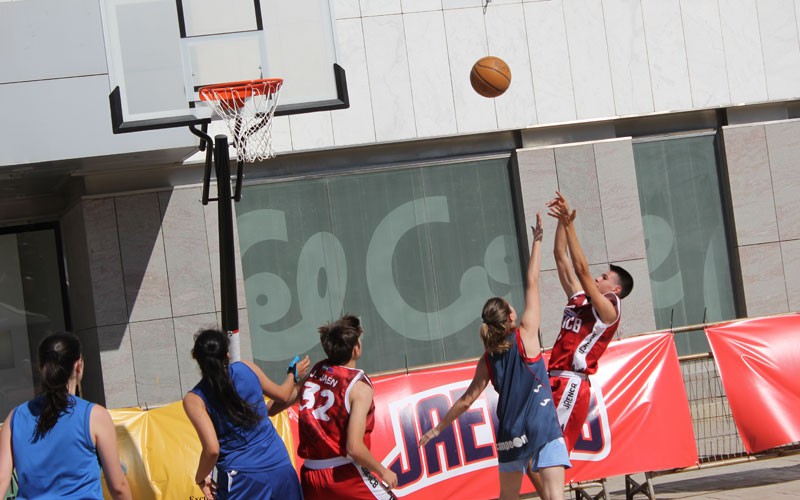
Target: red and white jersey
{"x": 583, "y": 337}
{"x": 325, "y": 411}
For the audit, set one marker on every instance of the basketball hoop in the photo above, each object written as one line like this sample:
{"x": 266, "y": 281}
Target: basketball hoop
{"x": 247, "y": 108}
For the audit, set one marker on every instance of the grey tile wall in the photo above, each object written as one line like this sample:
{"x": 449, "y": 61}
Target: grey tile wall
{"x": 119, "y": 375}
{"x": 150, "y": 265}
{"x": 155, "y": 362}
{"x": 750, "y": 184}
{"x": 764, "y": 182}
{"x": 762, "y": 274}
{"x": 599, "y": 180}
{"x": 577, "y": 180}
{"x": 784, "y": 151}
{"x": 790, "y": 253}
{"x": 539, "y": 181}
{"x": 186, "y": 247}
{"x": 105, "y": 263}
{"x": 144, "y": 262}
{"x": 619, "y": 196}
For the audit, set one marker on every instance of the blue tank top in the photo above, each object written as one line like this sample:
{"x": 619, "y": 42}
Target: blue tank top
{"x": 62, "y": 464}
{"x": 525, "y": 410}
{"x": 242, "y": 449}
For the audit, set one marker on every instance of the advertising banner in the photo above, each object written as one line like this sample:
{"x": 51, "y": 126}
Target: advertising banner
{"x": 159, "y": 451}
{"x": 640, "y": 421}
{"x": 756, "y": 360}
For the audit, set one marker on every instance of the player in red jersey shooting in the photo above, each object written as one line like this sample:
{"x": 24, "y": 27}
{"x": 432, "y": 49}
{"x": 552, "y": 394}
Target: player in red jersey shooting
{"x": 591, "y": 318}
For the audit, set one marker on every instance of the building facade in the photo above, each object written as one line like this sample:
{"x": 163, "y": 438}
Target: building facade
{"x": 670, "y": 125}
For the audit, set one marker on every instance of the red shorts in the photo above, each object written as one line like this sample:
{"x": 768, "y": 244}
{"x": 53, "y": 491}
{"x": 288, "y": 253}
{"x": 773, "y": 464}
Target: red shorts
{"x": 571, "y": 396}
{"x": 345, "y": 481}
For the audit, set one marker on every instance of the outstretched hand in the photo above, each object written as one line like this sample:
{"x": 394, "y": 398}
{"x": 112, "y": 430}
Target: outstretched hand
{"x": 559, "y": 199}
{"x": 538, "y": 232}
{"x": 558, "y": 208}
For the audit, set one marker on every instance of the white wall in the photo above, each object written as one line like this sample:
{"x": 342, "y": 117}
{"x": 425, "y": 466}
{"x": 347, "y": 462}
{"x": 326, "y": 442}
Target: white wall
{"x": 54, "y": 86}
{"x": 408, "y": 62}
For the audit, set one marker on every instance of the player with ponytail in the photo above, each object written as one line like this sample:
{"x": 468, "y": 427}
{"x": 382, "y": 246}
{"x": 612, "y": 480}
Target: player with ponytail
{"x": 228, "y": 411}
{"x": 528, "y": 434}
{"x": 55, "y": 440}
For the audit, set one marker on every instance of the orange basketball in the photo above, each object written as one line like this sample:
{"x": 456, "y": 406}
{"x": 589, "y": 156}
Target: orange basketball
{"x": 490, "y": 76}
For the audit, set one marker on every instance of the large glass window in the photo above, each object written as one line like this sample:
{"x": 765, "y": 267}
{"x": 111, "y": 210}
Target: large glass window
{"x": 31, "y": 307}
{"x": 414, "y": 252}
{"x": 687, "y": 247}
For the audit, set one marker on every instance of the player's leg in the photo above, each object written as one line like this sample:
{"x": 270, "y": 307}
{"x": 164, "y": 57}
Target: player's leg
{"x": 553, "y": 479}
{"x": 511, "y": 478}
{"x": 510, "y": 483}
{"x": 577, "y": 417}
{"x": 536, "y": 479}
{"x": 550, "y": 463}
{"x": 571, "y": 396}
{"x": 315, "y": 483}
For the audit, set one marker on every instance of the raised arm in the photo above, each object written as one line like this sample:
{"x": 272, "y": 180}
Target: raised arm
{"x": 566, "y": 275}
{"x": 479, "y": 382}
{"x": 6, "y": 458}
{"x": 360, "y": 402}
{"x": 301, "y": 368}
{"x": 604, "y": 307}
{"x": 283, "y": 393}
{"x": 531, "y": 317}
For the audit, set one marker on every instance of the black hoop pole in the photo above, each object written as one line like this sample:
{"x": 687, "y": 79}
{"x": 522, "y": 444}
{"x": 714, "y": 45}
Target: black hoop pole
{"x": 237, "y": 192}
{"x": 207, "y": 144}
{"x": 227, "y": 259}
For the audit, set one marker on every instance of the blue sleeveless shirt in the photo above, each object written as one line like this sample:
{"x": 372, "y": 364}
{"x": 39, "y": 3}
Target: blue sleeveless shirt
{"x": 525, "y": 409}
{"x": 240, "y": 448}
{"x": 63, "y": 463}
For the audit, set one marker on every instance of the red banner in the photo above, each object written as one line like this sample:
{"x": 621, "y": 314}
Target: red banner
{"x": 640, "y": 421}
{"x": 756, "y": 359}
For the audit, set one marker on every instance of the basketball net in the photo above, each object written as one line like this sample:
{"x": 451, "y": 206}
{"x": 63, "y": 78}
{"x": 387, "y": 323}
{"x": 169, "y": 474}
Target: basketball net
{"x": 247, "y": 108}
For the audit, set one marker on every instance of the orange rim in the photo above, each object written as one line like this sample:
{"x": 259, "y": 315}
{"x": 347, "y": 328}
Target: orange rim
{"x": 236, "y": 92}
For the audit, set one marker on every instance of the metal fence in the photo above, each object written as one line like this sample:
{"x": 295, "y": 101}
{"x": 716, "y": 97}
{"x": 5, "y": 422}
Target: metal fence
{"x": 714, "y": 429}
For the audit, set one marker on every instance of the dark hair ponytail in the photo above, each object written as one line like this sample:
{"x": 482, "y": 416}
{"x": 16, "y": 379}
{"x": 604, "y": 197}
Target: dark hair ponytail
{"x": 211, "y": 353}
{"x": 57, "y": 356}
{"x": 496, "y": 325}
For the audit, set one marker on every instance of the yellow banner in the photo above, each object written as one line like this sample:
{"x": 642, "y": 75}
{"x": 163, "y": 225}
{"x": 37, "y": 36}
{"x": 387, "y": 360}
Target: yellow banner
{"x": 159, "y": 450}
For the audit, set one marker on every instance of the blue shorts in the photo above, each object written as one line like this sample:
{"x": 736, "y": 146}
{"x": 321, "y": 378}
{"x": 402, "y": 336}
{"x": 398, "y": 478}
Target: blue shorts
{"x": 280, "y": 483}
{"x": 552, "y": 454}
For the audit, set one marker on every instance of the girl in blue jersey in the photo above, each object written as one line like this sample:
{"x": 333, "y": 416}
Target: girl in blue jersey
{"x": 228, "y": 412}
{"x": 528, "y": 436}
{"x": 55, "y": 440}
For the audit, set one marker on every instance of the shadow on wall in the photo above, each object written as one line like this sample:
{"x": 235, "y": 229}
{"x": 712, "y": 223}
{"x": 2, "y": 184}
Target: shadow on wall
{"x": 116, "y": 258}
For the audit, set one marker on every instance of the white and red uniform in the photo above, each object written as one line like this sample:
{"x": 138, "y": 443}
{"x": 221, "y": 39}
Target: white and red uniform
{"x": 328, "y": 472}
{"x": 578, "y": 347}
